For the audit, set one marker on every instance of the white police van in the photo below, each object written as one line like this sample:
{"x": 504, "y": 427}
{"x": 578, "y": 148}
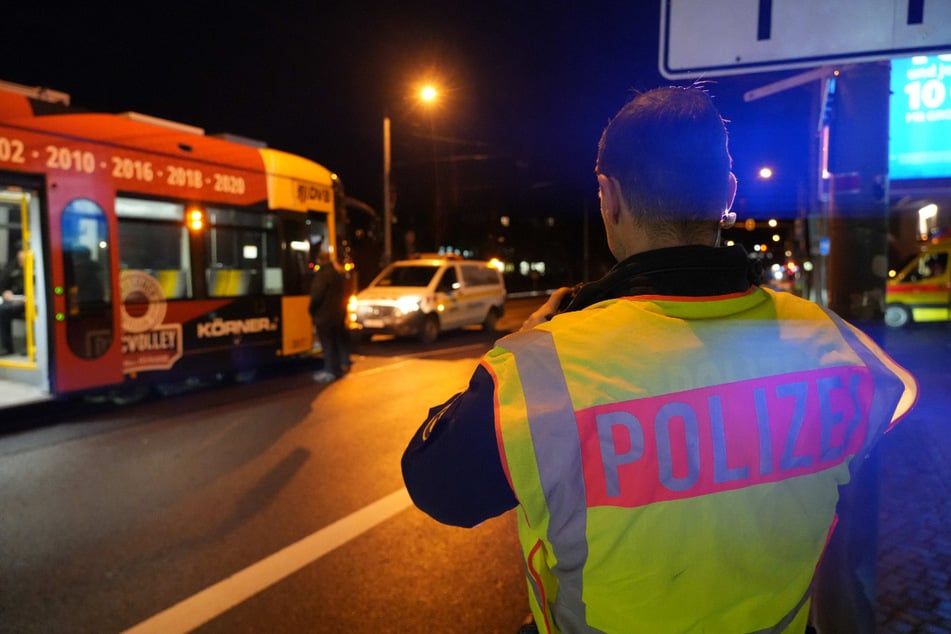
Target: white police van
{"x": 425, "y": 295}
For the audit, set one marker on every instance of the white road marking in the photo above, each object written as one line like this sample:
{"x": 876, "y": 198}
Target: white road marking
{"x": 382, "y": 368}
{"x": 454, "y": 350}
{"x": 224, "y": 595}
{"x": 480, "y": 349}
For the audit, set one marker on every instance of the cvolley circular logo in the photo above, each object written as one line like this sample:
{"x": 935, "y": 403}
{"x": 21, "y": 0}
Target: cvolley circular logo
{"x": 143, "y": 302}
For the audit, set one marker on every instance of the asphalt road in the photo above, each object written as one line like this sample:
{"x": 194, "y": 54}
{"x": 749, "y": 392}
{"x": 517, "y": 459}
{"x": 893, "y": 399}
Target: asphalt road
{"x": 275, "y": 506}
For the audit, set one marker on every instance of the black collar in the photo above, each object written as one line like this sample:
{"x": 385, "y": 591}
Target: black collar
{"x": 687, "y": 271}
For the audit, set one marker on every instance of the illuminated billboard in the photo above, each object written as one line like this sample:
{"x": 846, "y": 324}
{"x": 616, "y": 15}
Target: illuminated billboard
{"x": 920, "y": 118}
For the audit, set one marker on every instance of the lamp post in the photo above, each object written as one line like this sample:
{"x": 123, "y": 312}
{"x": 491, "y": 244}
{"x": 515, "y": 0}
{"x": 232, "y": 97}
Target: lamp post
{"x": 427, "y": 94}
{"x": 387, "y": 207}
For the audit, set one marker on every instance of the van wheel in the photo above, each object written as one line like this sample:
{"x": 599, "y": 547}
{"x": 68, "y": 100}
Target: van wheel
{"x": 491, "y": 319}
{"x": 430, "y": 330}
{"x": 897, "y": 316}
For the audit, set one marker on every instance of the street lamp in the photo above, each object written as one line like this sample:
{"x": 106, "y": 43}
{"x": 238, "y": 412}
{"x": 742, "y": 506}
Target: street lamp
{"x": 427, "y": 94}
{"x": 926, "y": 220}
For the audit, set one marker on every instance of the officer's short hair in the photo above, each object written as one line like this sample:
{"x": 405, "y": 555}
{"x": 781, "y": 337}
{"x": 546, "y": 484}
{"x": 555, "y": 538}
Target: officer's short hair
{"x": 668, "y": 150}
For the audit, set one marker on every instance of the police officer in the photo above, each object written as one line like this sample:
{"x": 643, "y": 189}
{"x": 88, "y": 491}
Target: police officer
{"x": 675, "y": 439}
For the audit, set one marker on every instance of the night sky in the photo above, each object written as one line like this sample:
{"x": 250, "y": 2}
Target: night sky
{"x": 528, "y": 86}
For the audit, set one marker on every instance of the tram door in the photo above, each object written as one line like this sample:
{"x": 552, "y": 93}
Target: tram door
{"x": 24, "y": 368}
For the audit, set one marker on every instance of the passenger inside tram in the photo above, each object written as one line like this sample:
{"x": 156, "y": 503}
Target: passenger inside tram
{"x": 13, "y": 304}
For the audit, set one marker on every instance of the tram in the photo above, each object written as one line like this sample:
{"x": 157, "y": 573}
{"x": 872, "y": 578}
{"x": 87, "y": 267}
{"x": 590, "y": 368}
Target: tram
{"x": 151, "y": 252}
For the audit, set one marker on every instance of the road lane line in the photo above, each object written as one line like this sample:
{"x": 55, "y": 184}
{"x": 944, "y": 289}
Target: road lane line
{"x": 382, "y": 368}
{"x": 224, "y": 595}
{"x": 454, "y": 350}
{"x": 422, "y": 355}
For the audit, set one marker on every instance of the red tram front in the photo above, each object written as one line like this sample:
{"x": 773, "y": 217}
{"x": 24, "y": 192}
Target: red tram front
{"x": 153, "y": 252}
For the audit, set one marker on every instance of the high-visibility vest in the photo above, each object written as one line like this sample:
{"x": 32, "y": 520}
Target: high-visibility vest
{"x": 676, "y": 460}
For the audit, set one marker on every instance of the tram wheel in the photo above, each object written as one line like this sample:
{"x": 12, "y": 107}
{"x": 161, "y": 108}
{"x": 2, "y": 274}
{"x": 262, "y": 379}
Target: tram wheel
{"x": 129, "y": 395}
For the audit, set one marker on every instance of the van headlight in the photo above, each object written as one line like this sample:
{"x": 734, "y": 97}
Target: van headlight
{"x": 407, "y": 305}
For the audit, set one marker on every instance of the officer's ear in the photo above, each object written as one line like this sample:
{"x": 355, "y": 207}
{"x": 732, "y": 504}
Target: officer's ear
{"x": 610, "y": 192}
{"x": 732, "y": 194}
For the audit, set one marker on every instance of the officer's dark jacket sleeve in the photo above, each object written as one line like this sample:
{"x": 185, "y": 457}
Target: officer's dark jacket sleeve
{"x": 452, "y": 467}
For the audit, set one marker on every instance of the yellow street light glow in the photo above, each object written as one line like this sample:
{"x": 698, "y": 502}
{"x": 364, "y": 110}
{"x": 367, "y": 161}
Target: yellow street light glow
{"x": 926, "y": 214}
{"x": 773, "y": 222}
{"x": 428, "y": 93}
{"x": 765, "y": 172}
{"x": 776, "y": 237}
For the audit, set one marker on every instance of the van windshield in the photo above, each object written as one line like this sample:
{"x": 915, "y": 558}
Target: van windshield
{"x": 414, "y": 275}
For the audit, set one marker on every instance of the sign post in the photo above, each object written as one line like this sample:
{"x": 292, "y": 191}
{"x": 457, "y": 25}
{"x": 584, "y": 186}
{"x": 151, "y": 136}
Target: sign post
{"x": 858, "y": 209}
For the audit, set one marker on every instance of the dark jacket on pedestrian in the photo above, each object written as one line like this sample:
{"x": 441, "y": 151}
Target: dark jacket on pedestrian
{"x": 328, "y": 296}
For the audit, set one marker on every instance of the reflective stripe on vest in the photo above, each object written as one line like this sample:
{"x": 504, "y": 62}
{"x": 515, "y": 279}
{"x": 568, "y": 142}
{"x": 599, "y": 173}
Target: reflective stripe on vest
{"x": 550, "y": 409}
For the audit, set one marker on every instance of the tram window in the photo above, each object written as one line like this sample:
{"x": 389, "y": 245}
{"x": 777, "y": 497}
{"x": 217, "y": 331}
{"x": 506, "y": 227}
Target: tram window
{"x": 153, "y": 240}
{"x": 242, "y": 259}
{"x": 296, "y": 257}
{"x": 89, "y": 324}
{"x": 159, "y": 249}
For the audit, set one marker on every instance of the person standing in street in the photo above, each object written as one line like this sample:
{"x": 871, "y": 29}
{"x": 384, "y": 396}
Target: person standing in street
{"x": 675, "y": 438}
{"x": 13, "y": 304}
{"x": 328, "y": 310}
